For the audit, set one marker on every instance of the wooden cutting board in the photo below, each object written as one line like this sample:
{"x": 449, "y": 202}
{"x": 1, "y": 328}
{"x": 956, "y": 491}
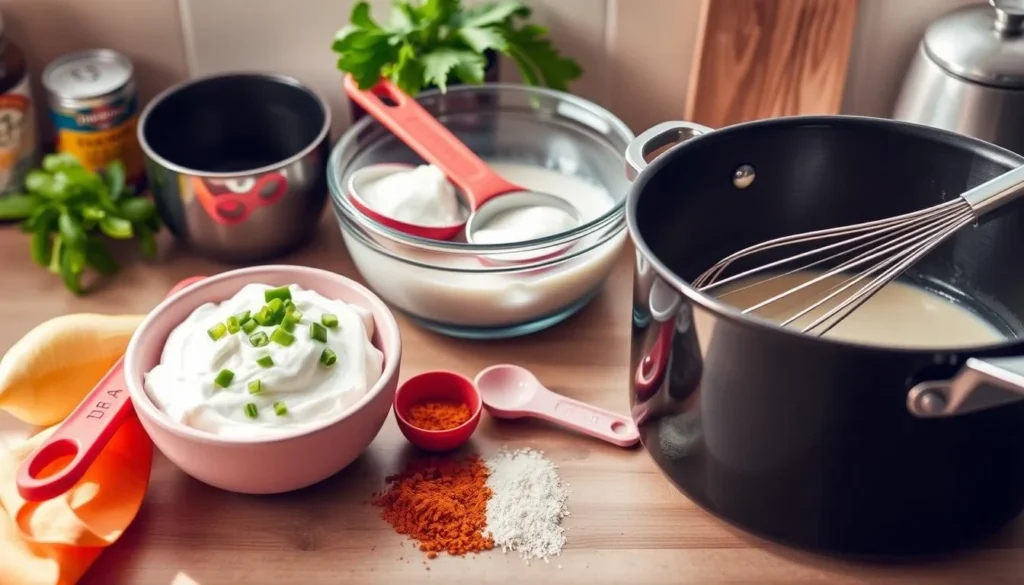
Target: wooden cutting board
{"x": 766, "y": 58}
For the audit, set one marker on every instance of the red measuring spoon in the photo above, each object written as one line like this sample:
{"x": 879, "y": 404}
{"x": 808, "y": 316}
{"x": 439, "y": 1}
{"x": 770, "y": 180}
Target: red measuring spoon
{"x": 486, "y": 193}
{"x": 81, "y": 436}
{"x": 663, "y": 304}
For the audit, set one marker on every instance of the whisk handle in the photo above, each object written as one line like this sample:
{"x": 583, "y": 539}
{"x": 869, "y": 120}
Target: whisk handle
{"x": 993, "y": 194}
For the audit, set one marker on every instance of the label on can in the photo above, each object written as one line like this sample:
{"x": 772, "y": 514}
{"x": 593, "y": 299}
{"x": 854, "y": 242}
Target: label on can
{"x": 99, "y": 135}
{"x": 18, "y": 140}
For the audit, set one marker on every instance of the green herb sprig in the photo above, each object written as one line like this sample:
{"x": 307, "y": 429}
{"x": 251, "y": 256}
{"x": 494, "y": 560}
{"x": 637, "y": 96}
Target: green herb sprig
{"x": 430, "y": 42}
{"x": 71, "y": 212}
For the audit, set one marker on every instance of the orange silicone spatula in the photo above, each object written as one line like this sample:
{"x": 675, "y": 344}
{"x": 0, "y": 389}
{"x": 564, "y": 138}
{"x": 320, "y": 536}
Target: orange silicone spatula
{"x": 81, "y": 436}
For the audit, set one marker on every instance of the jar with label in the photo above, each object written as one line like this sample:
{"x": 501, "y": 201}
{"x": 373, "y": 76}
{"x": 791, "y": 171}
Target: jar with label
{"x": 94, "y": 108}
{"x": 19, "y": 141}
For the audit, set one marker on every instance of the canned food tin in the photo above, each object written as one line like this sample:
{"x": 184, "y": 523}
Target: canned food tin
{"x": 19, "y": 147}
{"x": 94, "y": 107}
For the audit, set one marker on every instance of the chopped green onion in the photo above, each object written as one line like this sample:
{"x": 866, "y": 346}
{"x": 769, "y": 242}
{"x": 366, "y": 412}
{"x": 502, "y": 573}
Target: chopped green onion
{"x": 243, "y": 316}
{"x": 329, "y": 320}
{"x": 281, "y": 337}
{"x": 280, "y": 294}
{"x": 264, "y": 316}
{"x": 328, "y": 357}
{"x": 318, "y": 332}
{"x": 280, "y": 409}
{"x": 251, "y": 411}
{"x": 224, "y": 378}
{"x": 255, "y": 387}
{"x": 289, "y": 306}
{"x": 276, "y": 306}
{"x": 265, "y": 361}
{"x": 217, "y": 331}
{"x": 259, "y": 339}
{"x": 250, "y": 326}
{"x": 288, "y": 326}
{"x": 294, "y": 317}
{"x": 233, "y": 325}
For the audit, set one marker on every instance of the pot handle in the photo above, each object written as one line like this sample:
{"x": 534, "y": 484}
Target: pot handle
{"x": 979, "y": 385}
{"x": 655, "y": 137}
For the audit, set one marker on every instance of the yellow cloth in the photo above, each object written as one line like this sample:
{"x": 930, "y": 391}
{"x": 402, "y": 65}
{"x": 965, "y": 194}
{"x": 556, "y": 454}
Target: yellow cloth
{"x": 54, "y": 542}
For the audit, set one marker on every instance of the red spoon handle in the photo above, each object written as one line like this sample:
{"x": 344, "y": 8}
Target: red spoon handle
{"x": 82, "y": 436}
{"x": 652, "y": 367}
{"x": 421, "y": 132}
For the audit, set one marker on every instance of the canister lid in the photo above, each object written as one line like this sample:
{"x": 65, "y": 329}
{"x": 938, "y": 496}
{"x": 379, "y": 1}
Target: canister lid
{"x": 87, "y": 74}
{"x": 981, "y": 43}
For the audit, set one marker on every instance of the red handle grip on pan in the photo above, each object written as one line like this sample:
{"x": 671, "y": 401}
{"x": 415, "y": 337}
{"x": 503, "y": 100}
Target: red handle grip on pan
{"x": 421, "y": 132}
{"x": 82, "y": 436}
{"x": 652, "y": 366}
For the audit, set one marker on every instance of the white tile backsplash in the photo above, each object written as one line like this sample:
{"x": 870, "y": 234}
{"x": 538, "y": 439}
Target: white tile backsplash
{"x": 636, "y": 54}
{"x": 292, "y": 37}
{"x": 148, "y": 31}
{"x": 577, "y": 28}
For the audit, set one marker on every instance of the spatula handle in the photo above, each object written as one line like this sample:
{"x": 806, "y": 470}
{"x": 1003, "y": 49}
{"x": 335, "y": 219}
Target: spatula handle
{"x": 421, "y": 132}
{"x": 82, "y": 436}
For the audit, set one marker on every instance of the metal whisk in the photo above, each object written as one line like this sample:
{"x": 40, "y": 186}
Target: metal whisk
{"x": 870, "y": 254}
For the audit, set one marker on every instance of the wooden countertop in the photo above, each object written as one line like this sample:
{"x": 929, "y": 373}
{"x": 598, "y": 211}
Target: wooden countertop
{"x": 628, "y": 525}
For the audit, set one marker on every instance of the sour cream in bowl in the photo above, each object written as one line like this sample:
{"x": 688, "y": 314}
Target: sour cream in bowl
{"x": 265, "y": 379}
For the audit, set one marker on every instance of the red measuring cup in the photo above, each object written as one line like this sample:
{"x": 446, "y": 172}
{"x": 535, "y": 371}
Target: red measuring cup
{"x": 81, "y": 436}
{"x": 486, "y": 193}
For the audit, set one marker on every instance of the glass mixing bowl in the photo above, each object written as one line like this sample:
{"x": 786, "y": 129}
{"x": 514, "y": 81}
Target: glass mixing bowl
{"x": 465, "y": 290}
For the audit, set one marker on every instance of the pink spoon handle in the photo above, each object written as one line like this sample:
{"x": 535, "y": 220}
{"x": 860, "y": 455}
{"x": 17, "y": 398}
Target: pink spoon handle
{"x": 82, "y": 436}
{"x": 421, "y": 132}
{"x": 585, "y": 418}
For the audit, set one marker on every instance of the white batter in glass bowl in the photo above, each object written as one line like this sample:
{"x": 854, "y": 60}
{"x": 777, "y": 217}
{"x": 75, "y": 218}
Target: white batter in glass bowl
{"x": 541, "y": 139}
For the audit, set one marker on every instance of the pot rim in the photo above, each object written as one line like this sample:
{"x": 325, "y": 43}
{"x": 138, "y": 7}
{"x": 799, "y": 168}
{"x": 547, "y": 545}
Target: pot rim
{"x": 321, "y": 135}
{"x": 726, "y": 311}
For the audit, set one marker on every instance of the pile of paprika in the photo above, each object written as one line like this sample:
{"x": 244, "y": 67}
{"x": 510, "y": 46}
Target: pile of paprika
{"x": 440, "y": 503}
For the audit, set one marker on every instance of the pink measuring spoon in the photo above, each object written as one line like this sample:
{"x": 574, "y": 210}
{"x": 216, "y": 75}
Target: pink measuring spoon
{"x": 82, "y": 435}
{"x": 510, "y": 391}
{"x": 486, "y": 193}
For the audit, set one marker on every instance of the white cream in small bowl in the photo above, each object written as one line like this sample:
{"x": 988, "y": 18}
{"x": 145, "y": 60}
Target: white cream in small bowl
{"x": 224, "y": 373}
{"x": 268, "y": 451}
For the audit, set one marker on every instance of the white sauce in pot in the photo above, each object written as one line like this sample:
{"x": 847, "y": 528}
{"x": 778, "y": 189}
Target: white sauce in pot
{"x": 898, "y": 315}
{"x": 183, "y": 384}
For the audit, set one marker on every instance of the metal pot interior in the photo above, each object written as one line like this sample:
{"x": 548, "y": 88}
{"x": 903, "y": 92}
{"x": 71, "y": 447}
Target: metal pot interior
{"x": 233, "y": 124}
{"x": 814, "y": 173}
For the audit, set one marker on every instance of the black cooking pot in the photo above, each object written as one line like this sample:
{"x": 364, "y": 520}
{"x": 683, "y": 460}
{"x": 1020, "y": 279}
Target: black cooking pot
{"x": 829, "y": 445}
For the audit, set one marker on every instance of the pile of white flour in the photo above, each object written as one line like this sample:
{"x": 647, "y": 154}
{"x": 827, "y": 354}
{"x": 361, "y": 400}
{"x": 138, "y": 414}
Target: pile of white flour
{"x": 528, "y": 503}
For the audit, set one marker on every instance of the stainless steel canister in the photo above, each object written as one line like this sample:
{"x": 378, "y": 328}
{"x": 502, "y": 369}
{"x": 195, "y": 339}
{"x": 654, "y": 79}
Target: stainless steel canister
{"x": 968, "y": 74}
{"x": 236, "y": 163}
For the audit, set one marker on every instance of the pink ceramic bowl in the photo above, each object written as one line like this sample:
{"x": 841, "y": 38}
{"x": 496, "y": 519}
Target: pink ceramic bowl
{"x": 284, "y": 462}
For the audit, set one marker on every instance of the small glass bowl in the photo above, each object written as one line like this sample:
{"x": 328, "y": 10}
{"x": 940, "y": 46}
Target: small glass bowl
{"x": 450, "y": 287}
